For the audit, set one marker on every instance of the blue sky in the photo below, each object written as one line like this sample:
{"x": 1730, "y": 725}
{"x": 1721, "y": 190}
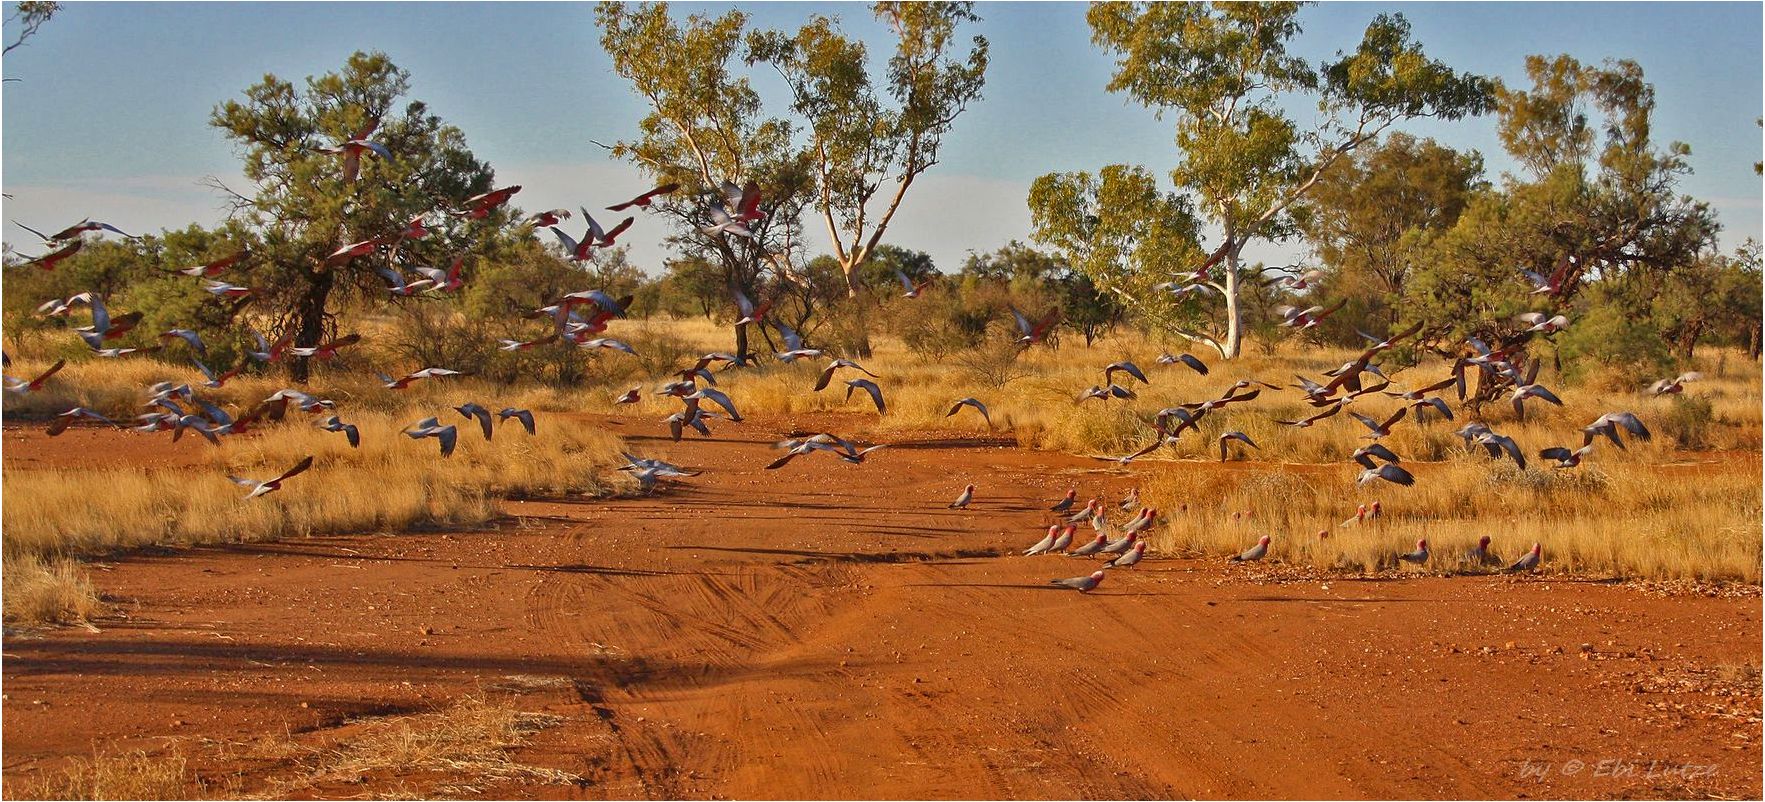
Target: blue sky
{"x": 109, "y": 116}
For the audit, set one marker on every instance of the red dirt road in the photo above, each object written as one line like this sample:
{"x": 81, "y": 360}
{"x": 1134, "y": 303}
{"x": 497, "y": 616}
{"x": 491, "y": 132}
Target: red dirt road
{"x": 830, "y": 630}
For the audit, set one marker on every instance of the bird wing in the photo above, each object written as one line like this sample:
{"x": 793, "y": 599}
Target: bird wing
{"x": 298, "y": 469}
{"x": 1628, "y": 420}
{"x": 869, "y": 387}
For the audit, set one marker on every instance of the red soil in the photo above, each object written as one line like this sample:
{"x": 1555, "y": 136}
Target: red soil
{"x": 831, "y": 630}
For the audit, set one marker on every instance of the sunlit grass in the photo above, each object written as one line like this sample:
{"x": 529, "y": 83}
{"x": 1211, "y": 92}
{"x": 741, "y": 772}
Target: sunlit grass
{"x": 389, "y": 484}
{"x": 1628, "y": 519}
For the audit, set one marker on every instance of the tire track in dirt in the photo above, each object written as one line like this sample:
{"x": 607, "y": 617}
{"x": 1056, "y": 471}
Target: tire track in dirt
{"x": 833, "y": 631}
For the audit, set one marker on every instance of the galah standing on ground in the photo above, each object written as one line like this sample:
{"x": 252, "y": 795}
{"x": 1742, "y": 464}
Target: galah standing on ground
{"x": 1529, "y": 561}
{"x": 1046, "y": 543}
{"x": 1063, "y": 540}
{"x": 1066, "y": 502}
{"x": 1132, "y": 557}
{"x": 1254, "y": 553}
{"x": 1121, "y": 545}
{"x": 1082, "y": 584}
{"x": 1419, "y": 556}
{"x": 1090, "y": 548}
{"x": 1481, "y": 555}
{"x": 961, "y": 501}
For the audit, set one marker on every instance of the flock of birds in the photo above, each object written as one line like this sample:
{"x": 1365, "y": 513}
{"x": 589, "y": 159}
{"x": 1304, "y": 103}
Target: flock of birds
{"x": 577, "y": 318}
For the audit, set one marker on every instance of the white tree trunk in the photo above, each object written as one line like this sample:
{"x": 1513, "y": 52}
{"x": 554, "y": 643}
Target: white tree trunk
{"x": 1230, "y": 346}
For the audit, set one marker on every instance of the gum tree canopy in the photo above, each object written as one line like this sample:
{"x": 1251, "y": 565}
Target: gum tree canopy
{"x": 1223, "y": 71}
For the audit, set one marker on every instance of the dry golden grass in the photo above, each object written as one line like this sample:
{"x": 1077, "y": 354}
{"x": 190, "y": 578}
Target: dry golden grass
{"x": 1613, "y": 515}
{"x": 52, "y": 591}
{"x": 391, "y": 483}
{"x": 132, "y": 775}
{"x": 1690, "y": 521}
{"x": 451, "y": 752}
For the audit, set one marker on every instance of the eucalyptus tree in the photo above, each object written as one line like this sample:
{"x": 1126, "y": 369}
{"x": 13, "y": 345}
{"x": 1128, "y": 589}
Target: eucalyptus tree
{"x": 302, "y": 205}
{"x": 1598, "y": 203}
{"x": 706, "y": 128}
{"x": 858, "y": 142}
{"x": 1223, "y": 71}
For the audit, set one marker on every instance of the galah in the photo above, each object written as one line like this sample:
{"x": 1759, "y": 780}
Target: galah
{"x": 353, "y": 250}
{"x": 1090, "y": 548}
{"x": 548, "y": 218}
{"x": 222, "y": 289}
{"x": 519, "y": 345}
{"x": 445, "y": 280}
{"x": 750, "y": 312}
{"x": 1481, "y": 555}
{"x": 876, "y": 394}
{"x": 326, "y": 351}
{"x": 470, "y": 410}
{"x": 1609, "y": 424}
{"x": 1120, "y": 545}
{"x": 1419, "y": 556}
{"x": 912, "y": 289}
{"x": 22, "y": 387}
{"x": 722, "y": 223}
{"x": 1239, "y": 436}
{"x": 405, "y": 381}
{"x": 1063, "y": 540}
{"x": 352, "y": 150}
{"x": 216, "y": 267}
{"x": 398, "y": 286}
{"x": 430, "y": 427}
{"x": 1131, "y": 557}
{"x": 188, "y": 336}
{"x": 1187, "y": 359}
{"x": 522, "y": 415}
{"x": 1034, "y": 333}
{"x": 1082, "y": 584}
{"x": 1529, "y": 561}
{"x": 217, "y": 381}
{"x": 64, "y": 419}
{"x": 479, "y": 207}
{"x": 630, "y": 396}
{"x": 1254, "y": 553}
{"x": 335, "y": 424}
{"x": 1046, "y": 543}
{"x": 826, "y": 376}
{"x": 962, "y": 501}
{"x": 260, "y": 488}
{"x": 49, "y": 260}
{"x": 1672, "y": 386}
{"x": 1390, "y": 473}
{"x": 1066, "y": 502}
{"x": 645, "y": 199}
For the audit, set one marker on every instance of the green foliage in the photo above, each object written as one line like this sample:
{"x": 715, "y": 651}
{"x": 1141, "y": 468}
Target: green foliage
{"x": 856, "y": 140}
{"x": 1122, "y": 235}
{"x": 1605, "y": 336}
{"x": 1601, "y": 204}
{"x": 705, "y": 127}
{"x": 1223, "y": 70}
{"x": 1375, "y": 214}
{"x": 302, "y": 206}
